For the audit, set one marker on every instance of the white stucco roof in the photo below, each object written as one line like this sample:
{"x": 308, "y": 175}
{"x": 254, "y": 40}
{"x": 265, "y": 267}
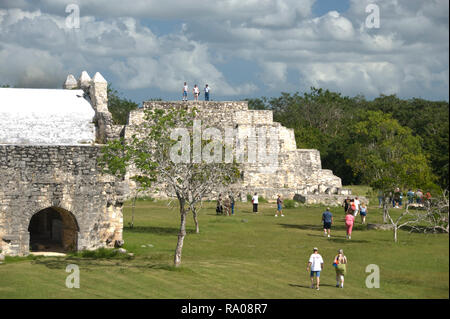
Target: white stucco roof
{"x": 45, "y": 116}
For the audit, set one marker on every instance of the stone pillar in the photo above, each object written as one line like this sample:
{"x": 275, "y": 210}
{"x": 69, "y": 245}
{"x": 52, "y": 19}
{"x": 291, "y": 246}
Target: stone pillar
{"x": 84, "y": 81}
{"x": 71, "y": 83}
{"x": 98, "y": 93}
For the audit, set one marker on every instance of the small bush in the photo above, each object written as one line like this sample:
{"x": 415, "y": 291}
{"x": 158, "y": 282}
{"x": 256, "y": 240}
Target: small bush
{"x": 102, "y": 253}
{"x": 290, "y": 203}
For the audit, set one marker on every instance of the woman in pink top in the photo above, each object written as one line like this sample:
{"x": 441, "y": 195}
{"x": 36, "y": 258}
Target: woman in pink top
{"x": 349, "y": 220}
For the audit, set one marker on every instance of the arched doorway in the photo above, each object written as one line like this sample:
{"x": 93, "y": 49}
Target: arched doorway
{"x": 53, "y": 229}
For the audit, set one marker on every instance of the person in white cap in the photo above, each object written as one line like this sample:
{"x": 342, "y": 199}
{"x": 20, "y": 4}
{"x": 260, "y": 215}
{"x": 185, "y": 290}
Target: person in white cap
{"x": 315, "y": 265}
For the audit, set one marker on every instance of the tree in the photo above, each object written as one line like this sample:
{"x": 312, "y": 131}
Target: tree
{"x": 387, "y": 155}
{"x": 119, "y": 107}
{"x": 434, "y": 219}
{"x": 160, "y": 161}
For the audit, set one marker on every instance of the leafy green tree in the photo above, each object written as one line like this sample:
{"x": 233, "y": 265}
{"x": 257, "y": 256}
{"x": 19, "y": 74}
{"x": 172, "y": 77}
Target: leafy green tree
{"x": 119, "y": 107}
{"x": 387, "y": 155}
{"x": 150, "y": 152}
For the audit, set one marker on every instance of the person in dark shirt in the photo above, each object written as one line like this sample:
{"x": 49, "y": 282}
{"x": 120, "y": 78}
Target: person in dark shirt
{"x": 279, "y": 207}
{"x": 327, "y": 218}
{"x": 345, "y": 204}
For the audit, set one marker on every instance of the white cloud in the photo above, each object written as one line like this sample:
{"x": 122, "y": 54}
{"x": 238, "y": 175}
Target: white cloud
{"x": 407, "y": 55}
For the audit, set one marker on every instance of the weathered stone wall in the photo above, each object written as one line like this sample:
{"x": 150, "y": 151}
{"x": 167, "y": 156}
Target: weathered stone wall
{"x": 67, "y": 177}
{"x": 297, "y": 171}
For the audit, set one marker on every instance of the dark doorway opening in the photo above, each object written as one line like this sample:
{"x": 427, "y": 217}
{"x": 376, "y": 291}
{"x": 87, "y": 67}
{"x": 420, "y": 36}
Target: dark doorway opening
{"x": 53, "y": 229}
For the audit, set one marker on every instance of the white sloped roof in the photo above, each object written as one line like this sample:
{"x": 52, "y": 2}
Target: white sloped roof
{"x": 45, "y": 117}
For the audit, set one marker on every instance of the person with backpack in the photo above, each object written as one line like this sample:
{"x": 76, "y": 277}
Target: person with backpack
{"x": 340, "y": 264}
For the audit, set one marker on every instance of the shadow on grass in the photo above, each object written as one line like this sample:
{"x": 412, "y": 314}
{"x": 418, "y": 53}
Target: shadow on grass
{"x": 339, "y": 239}
{"x": 156, "y": 230}
{"x": 309, "y": 287}
{"x": 313, "y": 227}
{"x": 116, "y": 263}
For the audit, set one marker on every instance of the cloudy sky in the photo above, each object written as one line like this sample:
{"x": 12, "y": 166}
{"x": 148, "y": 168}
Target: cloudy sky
{"x": 241, "y": 48}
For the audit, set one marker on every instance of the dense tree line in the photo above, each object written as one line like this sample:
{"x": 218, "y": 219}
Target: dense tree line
{"x": 350, "y": 131}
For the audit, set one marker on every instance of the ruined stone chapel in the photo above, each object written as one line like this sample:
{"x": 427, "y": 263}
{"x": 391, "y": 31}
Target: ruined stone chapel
{"x": 53, "y": 195}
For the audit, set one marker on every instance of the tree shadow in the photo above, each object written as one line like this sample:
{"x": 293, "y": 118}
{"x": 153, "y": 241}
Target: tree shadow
{"x": 339, "y": 239}
{"x": 313, "y": 227}
{"x": 156, "y": 230}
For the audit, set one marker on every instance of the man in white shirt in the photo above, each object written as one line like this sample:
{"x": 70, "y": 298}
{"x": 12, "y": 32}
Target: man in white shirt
{"x": 315, "y": 265}
{"x": 185, "y": 91}
{"x": 255, "y": 203}
{"x": 357, "y": 203}
{"x": 207, "y": 92}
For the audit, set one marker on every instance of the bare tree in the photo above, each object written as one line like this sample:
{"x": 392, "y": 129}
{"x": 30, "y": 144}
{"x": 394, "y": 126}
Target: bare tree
{"x": 434, "y": 219}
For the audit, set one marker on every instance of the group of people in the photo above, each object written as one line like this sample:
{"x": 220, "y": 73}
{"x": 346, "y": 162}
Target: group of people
{"x": 351, "y": 210}
{"x": 396, "y": 197}
{"x": 195, "y": 92}
{"x": 315, "y": 267}
{"x": 354, "y": 207}
{"x": 225, "y": 206}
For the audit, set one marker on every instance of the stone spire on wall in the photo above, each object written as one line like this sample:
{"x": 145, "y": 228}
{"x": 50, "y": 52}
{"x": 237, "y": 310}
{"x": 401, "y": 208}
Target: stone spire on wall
{"x": 71, "y": 83}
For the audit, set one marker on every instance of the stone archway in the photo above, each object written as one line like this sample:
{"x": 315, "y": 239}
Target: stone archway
{"x": 53, "y": 229}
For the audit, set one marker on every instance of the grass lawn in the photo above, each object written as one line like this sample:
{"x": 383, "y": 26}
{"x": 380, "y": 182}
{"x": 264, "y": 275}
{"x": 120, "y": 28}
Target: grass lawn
{"x": 241, "y": 256}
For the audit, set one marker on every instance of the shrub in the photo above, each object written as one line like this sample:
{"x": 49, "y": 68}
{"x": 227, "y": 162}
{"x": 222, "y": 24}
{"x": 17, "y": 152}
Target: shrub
{"x": 290, "y": 203}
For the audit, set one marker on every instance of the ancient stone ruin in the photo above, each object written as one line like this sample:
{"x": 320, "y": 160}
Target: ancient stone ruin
{"x": 296, "y": 173}
{"x": 53, "y": 196}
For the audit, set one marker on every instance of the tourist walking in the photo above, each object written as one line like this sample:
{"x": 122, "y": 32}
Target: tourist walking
{"x": 356, "y": 209}
{"x": 419, "y": 196}
{"x": 185, "y": 92}
{"x": 232, "y": 203}
{"x": 196, "y": 92}
{"x": 410, "y": 195}
{"x": 279, "y": 207}
{"x": 227, "y": 206}
{"x": 346, "y": 204}
{"x": 349, "y": 221}
{"x": 380, "y": 199}
{"x": 315, "y": 266}
{"x": 207, "y": 92}
{"x": 327, "y": 219}
{"x": 340, "y": 264}
{"x": 255, "y": 203}
{"x": 363, "y": 213}
{"x": 219, "y": 207}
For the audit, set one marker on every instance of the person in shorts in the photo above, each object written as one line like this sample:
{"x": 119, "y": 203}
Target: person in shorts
{"x": 315, "y": 266}
{"x": 363, "y": 213}
{"x": 340, "y": 264}
{"x": 279, "y": 207}
{"x": 185, "y": 91}
{"x": 327, "y": 219}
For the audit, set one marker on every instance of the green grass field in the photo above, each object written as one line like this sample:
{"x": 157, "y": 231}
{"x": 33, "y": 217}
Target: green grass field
{"x": 241, "y": 256}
